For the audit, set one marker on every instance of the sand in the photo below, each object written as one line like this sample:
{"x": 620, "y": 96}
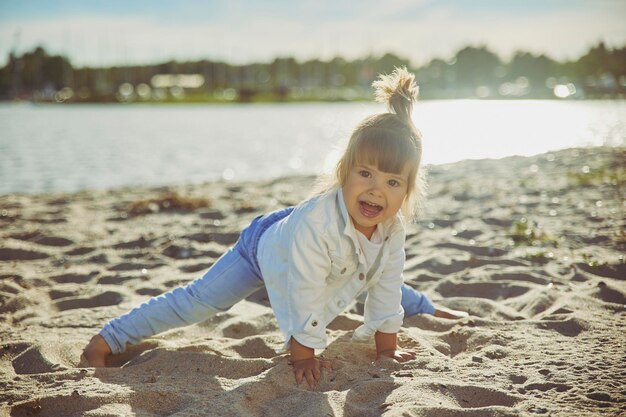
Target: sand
{"x": 533, "y": 248}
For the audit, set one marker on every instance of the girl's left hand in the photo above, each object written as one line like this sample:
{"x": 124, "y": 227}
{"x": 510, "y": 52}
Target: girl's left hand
{"x": 397, "y": 355}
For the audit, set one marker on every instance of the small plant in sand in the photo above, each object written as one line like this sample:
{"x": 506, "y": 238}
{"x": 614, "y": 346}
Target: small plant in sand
{"x": 592, "y": 262}
{"x": 539, "y": 257}
{"x": 613, "y": 172}
{"x": 527, "y": 232}
{"x": 168, "y": 202}
{"x": 620, "y": 237}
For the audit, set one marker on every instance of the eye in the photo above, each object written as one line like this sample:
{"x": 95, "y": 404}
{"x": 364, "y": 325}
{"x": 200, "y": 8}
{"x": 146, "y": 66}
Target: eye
{"x": 393, "y": 183}
{"x": 365, "y": 173}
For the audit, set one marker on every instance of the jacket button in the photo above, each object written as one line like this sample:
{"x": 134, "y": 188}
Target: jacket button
{"x": 361, "y": 276}
{"x": 340, "y": 303}
{"x": 314, "y": 323}
{"x": 343, "y": 271}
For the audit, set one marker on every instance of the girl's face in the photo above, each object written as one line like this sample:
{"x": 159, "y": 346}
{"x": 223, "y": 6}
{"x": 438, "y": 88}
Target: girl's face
{"x": 373, "y": 196}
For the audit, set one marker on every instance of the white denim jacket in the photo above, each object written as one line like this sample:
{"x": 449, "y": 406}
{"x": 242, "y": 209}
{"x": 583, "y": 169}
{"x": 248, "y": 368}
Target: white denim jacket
{"x": 313, "y": 267}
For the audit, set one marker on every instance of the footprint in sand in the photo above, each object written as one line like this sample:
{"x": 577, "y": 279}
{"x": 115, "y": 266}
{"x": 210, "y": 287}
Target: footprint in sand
{"x": 367, "y": 398}
{"x": 464, "y": 400}
{"x": 428, "y": 323}
{"x": 108, "y": 298}
{"x": 225, "y": 238}
{"x": 539, "y": 303}
{"x": 73, "y": 278}
{"x": 239, "y": 330}
{"x": 469, "y": 234}
{"x": 77, "y": 404}
{"x": 117, "y": 279}
{"x": 609, "y": 294}
{"x": 182, "y": 252}
{"x": 15, "y": 254}
{"x": 475, "y": 250}
{"x": 520, "y": 276}
{"x": 33, "y": 361}
{"x": 12, "y": 284}
{"x": 19, "y": 305}
{"x": 213, "y": 214}
{"x": 55, "y": 294}
{"x": 571, "y": 327}
{"x": 501, "y": 222}
{"x": 441, "y": 264}
{"x": 254, "y": 347}
{"x": 518, "y": 379}
{"x": 150, "y": 291}
{"x": 131, "y": 266}
{"x": 547, "y": 386}
{"x": 59, "y": 201}
{"x": 41, "y": 239}
{"x": 49, "y": 218}
{"x": 83, "y": 250}
{"x": 617, "y": 271}
{"x": 140, "y": 243}
{"x": 57, "y": 405}
{"x": 489, "y": 290}
{"x": 469, "y": 343}
{"x": 195, "y": 267}
{"x": 149, "y": 403}
{"x": 199, "y": 359}
{"x": 468, "y": 340}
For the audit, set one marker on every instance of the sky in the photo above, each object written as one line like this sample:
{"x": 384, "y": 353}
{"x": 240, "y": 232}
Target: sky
{"x": 117, "y": 32}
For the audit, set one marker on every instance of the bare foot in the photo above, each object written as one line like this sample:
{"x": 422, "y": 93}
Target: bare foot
{"x": 446, "y": 313}
{"x": 96, "y": 352}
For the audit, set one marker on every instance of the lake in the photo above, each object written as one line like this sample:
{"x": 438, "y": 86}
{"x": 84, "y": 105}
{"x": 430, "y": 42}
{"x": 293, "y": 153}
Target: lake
{"x": 73, "y": 147}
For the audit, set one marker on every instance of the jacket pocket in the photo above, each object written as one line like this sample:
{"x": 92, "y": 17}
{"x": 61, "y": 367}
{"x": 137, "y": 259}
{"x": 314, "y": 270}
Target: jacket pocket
{"x": 341, "y": 267}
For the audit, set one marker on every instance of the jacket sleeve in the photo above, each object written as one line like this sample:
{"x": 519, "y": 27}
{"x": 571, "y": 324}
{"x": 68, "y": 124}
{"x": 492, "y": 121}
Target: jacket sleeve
{"x": 383, "y": 310}
{"x": 308, "y": 267}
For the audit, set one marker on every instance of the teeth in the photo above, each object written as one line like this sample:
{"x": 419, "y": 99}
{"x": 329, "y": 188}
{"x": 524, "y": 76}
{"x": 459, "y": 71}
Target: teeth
{"x": 371, "y": 204}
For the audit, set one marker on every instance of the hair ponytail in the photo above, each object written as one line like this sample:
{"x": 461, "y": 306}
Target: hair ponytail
{"x": 398, "y": 91}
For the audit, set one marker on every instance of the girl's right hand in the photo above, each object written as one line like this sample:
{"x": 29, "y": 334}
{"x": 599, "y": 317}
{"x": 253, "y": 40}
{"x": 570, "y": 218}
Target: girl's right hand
{"x": 96, "y": 352}
{"x": 309, "y": 369}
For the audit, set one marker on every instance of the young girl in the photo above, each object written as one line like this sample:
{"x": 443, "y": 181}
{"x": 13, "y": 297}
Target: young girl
{"x": 318, "y": 256}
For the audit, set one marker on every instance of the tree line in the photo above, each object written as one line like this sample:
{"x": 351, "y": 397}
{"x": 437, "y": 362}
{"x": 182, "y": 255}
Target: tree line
{"x": 474, "y": 71}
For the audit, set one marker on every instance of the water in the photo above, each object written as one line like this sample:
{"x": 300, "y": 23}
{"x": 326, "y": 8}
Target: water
{"x": 68, "y": 148}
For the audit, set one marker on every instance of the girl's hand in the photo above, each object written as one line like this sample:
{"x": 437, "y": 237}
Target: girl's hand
{"x": 309, "y": 369}
{"x": 397, "y": 355}
{"x": 96, "y": 352}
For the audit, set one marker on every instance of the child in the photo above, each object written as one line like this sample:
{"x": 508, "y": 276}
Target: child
{"x": 318, "y": 256}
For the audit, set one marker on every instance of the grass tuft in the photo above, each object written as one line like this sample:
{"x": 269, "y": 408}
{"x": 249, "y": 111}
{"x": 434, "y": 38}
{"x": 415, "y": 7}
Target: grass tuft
{"x": 526, "y": 232}
{"x": 169, "y": 202}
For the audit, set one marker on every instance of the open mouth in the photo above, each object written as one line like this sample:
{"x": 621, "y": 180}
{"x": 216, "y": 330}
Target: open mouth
{"x": 369, "y": 209}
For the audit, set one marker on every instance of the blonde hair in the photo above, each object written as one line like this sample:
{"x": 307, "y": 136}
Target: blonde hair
{"x": 389, "y": 140}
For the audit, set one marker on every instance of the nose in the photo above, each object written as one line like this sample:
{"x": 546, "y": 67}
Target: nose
{"x": 375, "y": 189}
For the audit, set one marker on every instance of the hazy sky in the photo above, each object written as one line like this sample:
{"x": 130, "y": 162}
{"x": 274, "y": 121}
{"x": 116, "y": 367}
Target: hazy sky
{"x": 146, "y": 31}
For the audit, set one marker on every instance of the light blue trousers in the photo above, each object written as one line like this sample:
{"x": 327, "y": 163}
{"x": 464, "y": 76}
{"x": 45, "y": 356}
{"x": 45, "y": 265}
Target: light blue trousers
{"x": 234, "y": 276}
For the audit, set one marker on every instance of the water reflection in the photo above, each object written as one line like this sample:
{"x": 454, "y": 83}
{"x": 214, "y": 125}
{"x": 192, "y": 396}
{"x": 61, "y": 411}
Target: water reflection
{"x": 45, "y": 148}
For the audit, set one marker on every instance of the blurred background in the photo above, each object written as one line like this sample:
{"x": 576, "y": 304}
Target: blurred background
{"x": 102, "y": 94}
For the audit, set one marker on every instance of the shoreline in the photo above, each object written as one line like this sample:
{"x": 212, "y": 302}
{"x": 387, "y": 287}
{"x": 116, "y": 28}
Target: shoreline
{"x": 532, "y": 247}
{"x": 365, "y": 99}
{"x": 294, "y": 177}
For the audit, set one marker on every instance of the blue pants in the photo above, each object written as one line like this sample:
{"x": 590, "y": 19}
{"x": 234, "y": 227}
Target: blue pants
{"x": 234, "y": 276}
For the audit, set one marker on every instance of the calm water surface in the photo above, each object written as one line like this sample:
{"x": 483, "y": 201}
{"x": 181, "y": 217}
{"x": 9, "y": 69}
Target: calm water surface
{"x": 69, "y": 148}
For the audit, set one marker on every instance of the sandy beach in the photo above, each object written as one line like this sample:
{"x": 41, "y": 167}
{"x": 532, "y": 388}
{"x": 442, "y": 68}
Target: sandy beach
{"x": 532, "y": 247}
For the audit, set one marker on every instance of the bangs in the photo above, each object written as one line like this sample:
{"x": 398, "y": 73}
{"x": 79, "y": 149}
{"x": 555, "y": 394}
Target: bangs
{"x": 385, "y": 150}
